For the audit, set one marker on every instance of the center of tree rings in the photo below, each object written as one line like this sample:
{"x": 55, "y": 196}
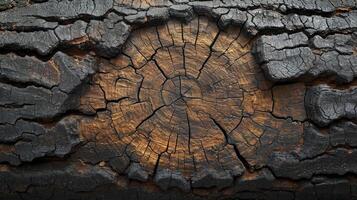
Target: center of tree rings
{"x": 180, "y": 89}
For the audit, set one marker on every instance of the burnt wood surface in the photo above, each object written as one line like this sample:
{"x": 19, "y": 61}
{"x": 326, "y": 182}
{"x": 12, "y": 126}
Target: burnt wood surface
{"x": 178, "y": 99}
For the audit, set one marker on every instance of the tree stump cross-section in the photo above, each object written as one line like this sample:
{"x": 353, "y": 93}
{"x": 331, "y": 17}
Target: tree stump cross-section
{"x": 188, "y": 103}
{"x": 178, "y": 99}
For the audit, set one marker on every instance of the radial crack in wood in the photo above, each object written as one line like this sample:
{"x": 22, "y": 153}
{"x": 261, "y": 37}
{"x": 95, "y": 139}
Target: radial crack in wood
{"x": 188, "y": 103}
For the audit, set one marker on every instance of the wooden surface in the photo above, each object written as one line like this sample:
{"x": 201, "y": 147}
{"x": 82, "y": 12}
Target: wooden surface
{"x": 173, "y": 99}
{"x": 188, "y": 97}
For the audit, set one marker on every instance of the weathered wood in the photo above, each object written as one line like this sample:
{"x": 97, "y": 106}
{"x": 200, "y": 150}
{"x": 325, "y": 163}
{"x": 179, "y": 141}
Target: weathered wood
{"x": 158, "y": 99}
{"x": 189, "y": 101}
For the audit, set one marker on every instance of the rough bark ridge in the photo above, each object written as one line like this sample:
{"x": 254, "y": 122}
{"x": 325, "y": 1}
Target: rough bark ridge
{"x": 180, "y": 99}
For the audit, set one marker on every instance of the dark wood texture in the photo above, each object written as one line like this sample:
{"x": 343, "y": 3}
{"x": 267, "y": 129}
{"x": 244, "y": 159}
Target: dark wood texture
{"x": 157, "y": 99}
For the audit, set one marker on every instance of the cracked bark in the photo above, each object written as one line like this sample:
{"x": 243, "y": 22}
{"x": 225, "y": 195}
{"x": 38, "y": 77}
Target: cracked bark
{"x": 159, "y": 99}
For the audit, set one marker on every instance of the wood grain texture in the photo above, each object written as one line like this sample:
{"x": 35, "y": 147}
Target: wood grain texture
{"x": 178, "y": 99}
{"x": 189, "y": 101}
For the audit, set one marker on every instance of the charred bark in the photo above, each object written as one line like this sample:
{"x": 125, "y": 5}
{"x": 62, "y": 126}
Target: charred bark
{"x": 158, "y": 99}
